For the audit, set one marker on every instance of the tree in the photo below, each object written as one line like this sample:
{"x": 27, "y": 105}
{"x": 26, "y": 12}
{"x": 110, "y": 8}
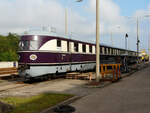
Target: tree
{"x": 9, "y": 47}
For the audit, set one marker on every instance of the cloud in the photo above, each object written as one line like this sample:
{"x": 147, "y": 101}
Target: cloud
{"x": 110, "y": 16}
{"x": 21, "y": 14}
{"x": 18, "y": 15}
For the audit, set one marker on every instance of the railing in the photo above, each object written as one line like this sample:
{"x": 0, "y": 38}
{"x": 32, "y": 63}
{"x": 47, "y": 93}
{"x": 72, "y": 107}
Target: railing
{"x": 113, "y": 69}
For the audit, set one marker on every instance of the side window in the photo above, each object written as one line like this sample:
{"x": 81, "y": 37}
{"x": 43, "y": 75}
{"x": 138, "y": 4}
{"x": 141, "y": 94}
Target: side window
{"x": 105, "y": 50}
{"x": 58, "y": 43}
{"x": 108, "y": 50}
{"x": 68, "y": 46}
{"x": 84, "y": 48}
{"x": 90, "y": 47}
{"x": 76, "y": 47}
{"x": 113, "y": 51}
{"x": 101, "y": 51}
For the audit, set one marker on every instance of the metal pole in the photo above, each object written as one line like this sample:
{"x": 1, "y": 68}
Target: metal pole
{"x": 125, "y": 42}
{"x": 97, "y": 42}
{"x": 137, "y": 39}
{"x": 111, "y": 39}
{"x": 149, "y": 49}
{"x": 66, "y": 21}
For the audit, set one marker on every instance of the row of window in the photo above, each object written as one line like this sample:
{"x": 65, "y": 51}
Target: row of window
{"x": 103, "y": 50}
{"x": 76, "y": 47}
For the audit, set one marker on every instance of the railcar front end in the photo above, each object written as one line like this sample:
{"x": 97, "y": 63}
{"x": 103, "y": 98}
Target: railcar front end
{"x": 42, "y": 55}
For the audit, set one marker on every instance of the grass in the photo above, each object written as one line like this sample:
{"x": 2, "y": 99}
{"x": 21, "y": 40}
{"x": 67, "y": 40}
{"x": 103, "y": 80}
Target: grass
{"x": 34, "y": 104}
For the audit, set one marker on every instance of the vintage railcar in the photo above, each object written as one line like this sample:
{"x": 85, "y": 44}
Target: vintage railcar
{"x": 45, "y": 53}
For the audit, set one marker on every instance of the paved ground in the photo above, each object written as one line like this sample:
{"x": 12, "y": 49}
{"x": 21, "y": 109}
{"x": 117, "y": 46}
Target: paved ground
{"x": 130, "y": 95}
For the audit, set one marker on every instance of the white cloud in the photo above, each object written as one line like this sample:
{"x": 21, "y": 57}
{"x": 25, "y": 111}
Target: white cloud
{"x": 18, "y": 15}
{"x": 21, "y": 14}
{"x": 110, "y": 16}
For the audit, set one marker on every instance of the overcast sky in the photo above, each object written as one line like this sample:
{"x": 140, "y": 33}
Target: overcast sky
{"x": 116, "y": 16}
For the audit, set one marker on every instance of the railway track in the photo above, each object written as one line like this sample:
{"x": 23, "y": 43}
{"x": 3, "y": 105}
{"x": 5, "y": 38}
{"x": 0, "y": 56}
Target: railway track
{"x": 13, "y": 86}
{"x": 10, "y": 79}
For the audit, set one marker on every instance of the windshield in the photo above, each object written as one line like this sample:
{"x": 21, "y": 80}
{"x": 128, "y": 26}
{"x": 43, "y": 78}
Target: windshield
{"x": 28, "y": 45}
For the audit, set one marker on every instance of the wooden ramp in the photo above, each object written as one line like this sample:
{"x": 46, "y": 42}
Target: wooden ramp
{"x": 83, "y": 76}
{"x": 8, "y": 71}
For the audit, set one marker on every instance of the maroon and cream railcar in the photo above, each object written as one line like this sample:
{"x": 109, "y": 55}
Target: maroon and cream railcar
{"x": 41, "y": 54}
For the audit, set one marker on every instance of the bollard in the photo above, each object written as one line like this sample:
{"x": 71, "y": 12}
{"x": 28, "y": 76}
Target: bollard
{"x": 90, "y": 77}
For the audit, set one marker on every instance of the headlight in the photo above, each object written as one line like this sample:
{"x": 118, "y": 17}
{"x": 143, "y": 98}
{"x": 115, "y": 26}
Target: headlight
{"x": 33, "y": 57}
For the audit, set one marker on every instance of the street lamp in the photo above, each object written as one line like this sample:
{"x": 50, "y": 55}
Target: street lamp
{"x": 126, "y": 36}
{"x": 149, "y": 48}
{"x": 138, "y": 41}
{"x": 66, "y": 18}
{"x": 66, "y": 21}
{"x": 79, "y": 0}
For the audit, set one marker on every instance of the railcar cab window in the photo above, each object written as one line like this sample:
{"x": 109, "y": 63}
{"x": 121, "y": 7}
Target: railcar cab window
{"x": 58, "y": 43}
{"x": 28, "y": 45}
{"x": 76, "y": 47}
{"x": 84, "y": 48}
{"x": 33, "y": 45}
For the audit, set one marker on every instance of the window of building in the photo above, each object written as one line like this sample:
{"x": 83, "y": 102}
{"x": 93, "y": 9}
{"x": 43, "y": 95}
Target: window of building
{"x": 84, "y": 48}
{"x": 58, "y": 43}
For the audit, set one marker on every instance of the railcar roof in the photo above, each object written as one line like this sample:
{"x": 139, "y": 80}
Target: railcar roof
{"x": 47, "y": 33}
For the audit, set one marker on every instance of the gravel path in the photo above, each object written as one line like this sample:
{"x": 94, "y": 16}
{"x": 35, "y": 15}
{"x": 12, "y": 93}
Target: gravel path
{"x": 69, "y": 86}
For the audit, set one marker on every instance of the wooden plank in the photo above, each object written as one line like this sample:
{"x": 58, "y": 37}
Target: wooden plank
{"x": 5, "y": 69}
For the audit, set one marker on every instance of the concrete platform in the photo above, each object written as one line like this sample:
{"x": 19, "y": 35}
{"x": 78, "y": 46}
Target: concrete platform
{"x": 131, "y": 95}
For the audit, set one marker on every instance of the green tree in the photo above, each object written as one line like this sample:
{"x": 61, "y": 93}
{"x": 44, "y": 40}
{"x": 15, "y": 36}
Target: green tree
{"x": 9, "y": 47}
